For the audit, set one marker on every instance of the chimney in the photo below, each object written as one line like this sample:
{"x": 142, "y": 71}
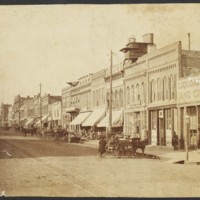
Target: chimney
{"x": 148, "y": 38}
{"x": 131, "y": 39}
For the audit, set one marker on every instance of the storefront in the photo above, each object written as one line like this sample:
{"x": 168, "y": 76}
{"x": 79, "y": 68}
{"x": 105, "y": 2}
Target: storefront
{"x": 79, "y": 120}
{"x": 189, "y": 107}
{"x": 117, "y": 121}
{"x": 96, "y": 116}
{"x": 135, "y": 124}
{"x": 162, "y": 124}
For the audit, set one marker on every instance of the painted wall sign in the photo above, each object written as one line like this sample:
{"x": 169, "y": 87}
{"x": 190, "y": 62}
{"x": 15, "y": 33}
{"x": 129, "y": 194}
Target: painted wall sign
{"x": 188, "y": 90}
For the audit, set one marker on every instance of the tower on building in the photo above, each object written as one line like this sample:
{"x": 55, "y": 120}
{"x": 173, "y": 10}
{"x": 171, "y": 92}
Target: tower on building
{"x": 133, "y": 50}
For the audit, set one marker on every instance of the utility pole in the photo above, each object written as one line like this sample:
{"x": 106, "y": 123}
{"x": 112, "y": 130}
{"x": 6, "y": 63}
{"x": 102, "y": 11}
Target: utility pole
{"x": 110, "y": 99}
{"x": 189, "y": 41}
{"x": 41, "y": 107}
{"x": 187, "y": 119}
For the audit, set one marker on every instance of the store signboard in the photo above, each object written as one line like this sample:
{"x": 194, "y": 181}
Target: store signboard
{"x": 188, "y": 90}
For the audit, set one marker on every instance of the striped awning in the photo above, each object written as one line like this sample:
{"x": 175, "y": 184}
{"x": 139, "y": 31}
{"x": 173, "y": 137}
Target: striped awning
{"x": 96, "y": 116}
{"x": 29, "y": 122}
{"x": 80, "y": 118}
{"x": 117, "y": 119}
{"x": 44, "y": 118}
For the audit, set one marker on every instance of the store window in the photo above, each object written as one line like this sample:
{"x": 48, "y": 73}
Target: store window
{"x": 192, "y": 112}
{"x": 154, "y": 120}
{"x": 168, "y": 117}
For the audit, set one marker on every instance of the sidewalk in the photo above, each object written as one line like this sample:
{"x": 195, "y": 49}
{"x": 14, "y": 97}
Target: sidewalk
{"x": 166, "y": 153}
{"x": 18, "y": 137}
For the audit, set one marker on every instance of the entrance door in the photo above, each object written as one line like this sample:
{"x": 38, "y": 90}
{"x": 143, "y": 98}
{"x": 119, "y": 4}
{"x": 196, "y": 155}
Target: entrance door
{"x": 161, "y": 132}
{"x": 154, "y": 128}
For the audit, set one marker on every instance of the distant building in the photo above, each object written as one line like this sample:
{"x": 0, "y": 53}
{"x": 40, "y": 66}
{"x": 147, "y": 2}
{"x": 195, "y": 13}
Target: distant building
{"x": 47, "y": 100}
{"x": 79, "y": 107}
{"x": 18, "y": 102}
{"x": 117, "y": 99}
{"x": 56, "y": 115}
{"x": 5, "y": 117}
{"x": 68, "y": 112}
{"x": 98, "y": 101}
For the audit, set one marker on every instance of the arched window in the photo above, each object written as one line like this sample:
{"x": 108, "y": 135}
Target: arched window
{"x": 142, "y": 93}
{"x": 165, "y": 88}
{"x": 121, "y": 98}
{"x": 169, "y": 86}
{"x": 161, "y": 89}
{"x": 174, "y": 88}
{"x": 128, "y": 95}
{"x": 158, "y": 90}
{"x": 137, "y": 92}
{"x": 153, "y": 91}
{"x": 172, "y": 84}
{"x": 133, "y": 93}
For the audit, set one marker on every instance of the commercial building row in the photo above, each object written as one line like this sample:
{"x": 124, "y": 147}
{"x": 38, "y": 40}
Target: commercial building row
{"x": 154, "y": 93}
{"x": 148, "y": 91}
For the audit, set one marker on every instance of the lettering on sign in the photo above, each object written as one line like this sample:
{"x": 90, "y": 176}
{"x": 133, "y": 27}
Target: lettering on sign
{"x": 188, "y": 90}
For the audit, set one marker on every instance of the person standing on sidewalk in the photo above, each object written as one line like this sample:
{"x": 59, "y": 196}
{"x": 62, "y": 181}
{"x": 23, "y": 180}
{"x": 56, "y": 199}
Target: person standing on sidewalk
{"x": 102, "y": 146}
{"x": 175, "y": 141}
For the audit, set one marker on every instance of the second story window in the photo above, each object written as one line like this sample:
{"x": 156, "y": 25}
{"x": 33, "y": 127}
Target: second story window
{"x": 137, "y": 92}
{"x": 128, "y": 95}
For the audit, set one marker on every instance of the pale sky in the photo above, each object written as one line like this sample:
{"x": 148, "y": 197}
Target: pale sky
{"x": 53, "y": 44}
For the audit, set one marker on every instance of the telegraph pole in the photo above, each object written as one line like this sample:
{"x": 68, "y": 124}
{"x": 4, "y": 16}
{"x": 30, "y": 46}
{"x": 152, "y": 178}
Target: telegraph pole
{"x": 189, "y": 41}
{"x": 110, "y": 99}
{"x": 40, "y": 106}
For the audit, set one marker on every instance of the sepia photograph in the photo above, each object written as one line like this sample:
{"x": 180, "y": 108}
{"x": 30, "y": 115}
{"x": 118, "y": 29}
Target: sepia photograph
{"x": 100, "y": 100}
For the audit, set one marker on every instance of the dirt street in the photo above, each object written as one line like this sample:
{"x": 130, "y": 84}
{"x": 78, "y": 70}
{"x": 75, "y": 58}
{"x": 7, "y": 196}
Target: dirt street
{"x": 43, "y": 168}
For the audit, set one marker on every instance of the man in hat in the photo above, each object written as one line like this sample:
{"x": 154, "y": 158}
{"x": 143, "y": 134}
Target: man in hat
{"x": 102, "y": 146}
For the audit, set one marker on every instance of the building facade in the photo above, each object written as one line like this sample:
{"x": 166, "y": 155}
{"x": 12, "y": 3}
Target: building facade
{"x": 80, "y": 102}
{"x": 5, "y": 117}
{"x": 98, "y": 102}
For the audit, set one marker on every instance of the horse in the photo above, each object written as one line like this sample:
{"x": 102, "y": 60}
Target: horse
{"x": 121, "y": 147}
{"x": 32, "y": 131}
{"x": 137, "y": 143}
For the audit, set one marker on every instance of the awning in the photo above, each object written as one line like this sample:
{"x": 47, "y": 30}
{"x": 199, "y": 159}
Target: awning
{"x": 80, "y": 118}
{"x": 38, "y": 123}
{"x": 71, "y": 109}
{"x": 117, "y": 119}
{"x": 44, "y": 118}
{"x": 49, "y": 119}
{"x": 66, "y": 114}
{"x": 29, "y": 122}
{"x": 22, "y": 119}
{"x": 96, "y": 116}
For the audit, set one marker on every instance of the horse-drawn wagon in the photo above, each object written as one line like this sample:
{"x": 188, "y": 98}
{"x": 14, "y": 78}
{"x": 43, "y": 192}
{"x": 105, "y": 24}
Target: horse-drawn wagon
{"x": 124, "y": 147}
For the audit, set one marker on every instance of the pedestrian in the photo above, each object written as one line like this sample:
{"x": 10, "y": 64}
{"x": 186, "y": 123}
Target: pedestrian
{"x": 102, "y": 147}
{"x": 175, "y": 141}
